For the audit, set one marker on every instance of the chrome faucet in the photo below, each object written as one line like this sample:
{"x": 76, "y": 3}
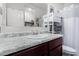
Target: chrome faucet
{"x": 35, "y": 33}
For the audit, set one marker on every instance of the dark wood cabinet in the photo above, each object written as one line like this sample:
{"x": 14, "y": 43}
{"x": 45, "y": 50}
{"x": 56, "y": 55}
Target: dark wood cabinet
{"x": 55, "y": 47}
{"x": 56, "y": 52}
{"x": 54, "y": 43}
{"x": 38, "y": 50}
{"x": 51, "y": 48}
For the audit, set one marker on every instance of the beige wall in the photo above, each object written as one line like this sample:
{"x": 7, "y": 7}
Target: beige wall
{"x": 0, "y": 14}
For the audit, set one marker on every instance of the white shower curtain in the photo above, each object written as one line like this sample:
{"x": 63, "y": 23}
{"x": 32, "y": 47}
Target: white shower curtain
{"x": 70, "y": 16}
{"x": 77, "y": 35}
{"x": 71, "y": 33}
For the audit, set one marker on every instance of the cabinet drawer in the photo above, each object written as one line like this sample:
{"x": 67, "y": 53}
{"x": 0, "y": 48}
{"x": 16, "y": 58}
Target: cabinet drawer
{"x": 54, "y": 43}
{"x": 56, "y": 52}
{"x": 38, "y": 50}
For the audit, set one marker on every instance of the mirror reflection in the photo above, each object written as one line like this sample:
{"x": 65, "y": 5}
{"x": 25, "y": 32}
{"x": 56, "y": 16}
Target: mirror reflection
{"x": 25, "y": 14}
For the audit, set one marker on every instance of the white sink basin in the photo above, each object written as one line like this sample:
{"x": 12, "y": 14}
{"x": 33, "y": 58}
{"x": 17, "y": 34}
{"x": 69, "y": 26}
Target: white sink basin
{"x": 39, "y": 36}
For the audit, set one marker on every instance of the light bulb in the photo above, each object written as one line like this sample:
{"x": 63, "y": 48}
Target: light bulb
{"x": 29, "y": 9}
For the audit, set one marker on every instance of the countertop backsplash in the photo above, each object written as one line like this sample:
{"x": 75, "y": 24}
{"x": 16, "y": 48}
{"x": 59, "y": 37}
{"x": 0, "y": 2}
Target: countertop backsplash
{"x": 30, "y": 31}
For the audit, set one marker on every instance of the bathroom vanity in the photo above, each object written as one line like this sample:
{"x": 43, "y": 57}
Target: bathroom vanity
{"x": 45, "y": 44}
{"x": 52, "y": 47}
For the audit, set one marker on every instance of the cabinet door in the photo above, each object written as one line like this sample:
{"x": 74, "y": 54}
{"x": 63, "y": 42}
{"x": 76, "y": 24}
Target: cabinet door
{"x": 56, "y": 52}
{"x": 54, "y": 43}
{"x": 39, "y": 50}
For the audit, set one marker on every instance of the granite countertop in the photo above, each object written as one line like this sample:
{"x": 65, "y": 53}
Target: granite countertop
{"x": 14, "y": 44}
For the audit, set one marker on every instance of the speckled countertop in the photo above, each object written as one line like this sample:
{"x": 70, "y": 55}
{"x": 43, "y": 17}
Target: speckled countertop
{"x": 14, "y": 44}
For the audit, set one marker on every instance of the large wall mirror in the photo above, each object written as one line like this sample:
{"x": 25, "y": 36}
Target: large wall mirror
{"x": 25, "y": 14}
